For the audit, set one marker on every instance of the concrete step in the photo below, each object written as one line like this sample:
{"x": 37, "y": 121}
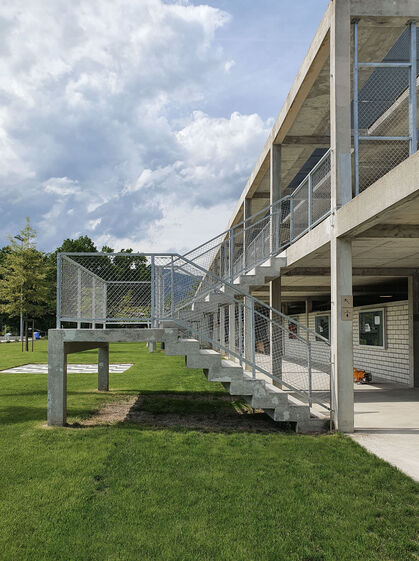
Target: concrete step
{"x": 181, "y": 347}
{"x": 204, "y": 358}
{"x": 226, "y": 372}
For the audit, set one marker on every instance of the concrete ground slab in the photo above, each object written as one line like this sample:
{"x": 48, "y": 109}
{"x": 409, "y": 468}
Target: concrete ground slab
{"x": 71, "y": 369}
{"x": 387, "y": 424}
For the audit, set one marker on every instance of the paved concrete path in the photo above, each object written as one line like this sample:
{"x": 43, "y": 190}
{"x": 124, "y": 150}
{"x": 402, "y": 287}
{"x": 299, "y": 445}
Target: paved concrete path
{"x": 71, "y": 369}
{"x": 387, "y": 424}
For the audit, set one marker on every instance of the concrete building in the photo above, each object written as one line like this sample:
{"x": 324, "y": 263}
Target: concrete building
{"x": 344, "y": 150}
{"x": 318, "y": 269}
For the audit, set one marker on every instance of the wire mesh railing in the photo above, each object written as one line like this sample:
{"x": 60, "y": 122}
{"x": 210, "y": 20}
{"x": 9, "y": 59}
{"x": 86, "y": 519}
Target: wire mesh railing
{"x": 269, "y": 231}
{"x": 101, "y": 289}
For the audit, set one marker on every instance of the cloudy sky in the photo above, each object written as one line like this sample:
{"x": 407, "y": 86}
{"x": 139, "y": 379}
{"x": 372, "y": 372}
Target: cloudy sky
{"x": 137, "y": 122}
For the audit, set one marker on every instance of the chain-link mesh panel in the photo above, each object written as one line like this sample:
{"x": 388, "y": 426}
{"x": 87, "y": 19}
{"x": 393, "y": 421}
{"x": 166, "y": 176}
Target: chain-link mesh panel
{"x": 136, "y": 288}
{"x": 299, "y": 215}
{"x": 378, "y": 157}
{"x": 321, "y": 190}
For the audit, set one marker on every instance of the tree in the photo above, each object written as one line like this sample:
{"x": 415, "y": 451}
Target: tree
{"x": 24, "y": 283}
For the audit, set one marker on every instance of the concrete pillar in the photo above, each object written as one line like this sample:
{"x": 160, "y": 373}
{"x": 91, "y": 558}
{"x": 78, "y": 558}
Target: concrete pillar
{"x": 414, "y": 328}
{"x": 341, "y": 193}
{"x": 151, "y": 346}
{"x": 309, "y": 309}
{"x": 232, "y": 327}
{"x": 247, "y": 213}
{"x": 57, "y": 380}
{"x": 103, "y": 369}
{"x": 222, "y": 327}
{"x": 341, "y": 336}
{"x": 248, "y": 337}
{"x": 275, "y": 195}
{"x": 276, "y": 333}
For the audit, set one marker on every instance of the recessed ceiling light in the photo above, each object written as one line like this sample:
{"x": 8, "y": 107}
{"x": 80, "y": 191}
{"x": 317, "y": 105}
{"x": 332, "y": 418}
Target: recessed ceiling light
{"x": 386, "y": 296}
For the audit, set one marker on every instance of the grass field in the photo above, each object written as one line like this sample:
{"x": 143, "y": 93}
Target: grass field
{"x": 161, "y": 490}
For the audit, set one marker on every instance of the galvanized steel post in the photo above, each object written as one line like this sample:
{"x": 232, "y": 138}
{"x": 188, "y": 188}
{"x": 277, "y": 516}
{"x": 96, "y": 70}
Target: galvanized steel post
{"x": 355, "y": 109}
{"x": 58, "y": 322}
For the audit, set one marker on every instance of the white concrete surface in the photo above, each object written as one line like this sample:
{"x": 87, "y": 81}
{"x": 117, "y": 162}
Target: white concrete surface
{"x": 71, "y": 369}
{"x": 387, "y": 424}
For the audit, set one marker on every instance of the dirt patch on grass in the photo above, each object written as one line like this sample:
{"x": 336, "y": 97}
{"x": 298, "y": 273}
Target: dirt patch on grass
{"x": 193, "y": 411}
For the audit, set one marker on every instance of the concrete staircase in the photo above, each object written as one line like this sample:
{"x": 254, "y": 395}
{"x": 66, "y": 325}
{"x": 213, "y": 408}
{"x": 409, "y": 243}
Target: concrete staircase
{"x": 259, "y": 394}
{"x": 261, "y": 274}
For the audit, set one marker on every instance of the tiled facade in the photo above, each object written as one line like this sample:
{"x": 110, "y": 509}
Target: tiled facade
{"x": 391, "y": 363}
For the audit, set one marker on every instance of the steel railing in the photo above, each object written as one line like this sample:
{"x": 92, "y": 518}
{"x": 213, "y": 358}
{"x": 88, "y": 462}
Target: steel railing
{"x": 269, "y": 231}
{"x": 102, "y": 289}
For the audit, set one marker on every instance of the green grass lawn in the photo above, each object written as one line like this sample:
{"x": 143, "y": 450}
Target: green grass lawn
{"x": 130, "y": 491}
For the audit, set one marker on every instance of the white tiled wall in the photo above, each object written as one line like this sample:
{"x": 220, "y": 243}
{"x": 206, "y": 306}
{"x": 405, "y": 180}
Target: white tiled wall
{"x": 390, "y": 363}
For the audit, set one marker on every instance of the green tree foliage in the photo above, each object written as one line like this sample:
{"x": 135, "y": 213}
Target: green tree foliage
{"x": 24, "y": 278}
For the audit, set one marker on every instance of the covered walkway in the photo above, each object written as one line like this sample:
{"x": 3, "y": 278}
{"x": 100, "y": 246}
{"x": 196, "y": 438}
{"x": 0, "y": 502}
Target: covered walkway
{"x": 387, "y": 424}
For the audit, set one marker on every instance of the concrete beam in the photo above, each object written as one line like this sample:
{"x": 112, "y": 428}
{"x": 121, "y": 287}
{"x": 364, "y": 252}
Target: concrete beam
{"x": 406, "y": 9}
{"x": 315, "y": 140}
{"x": 392, "y": 231}
{"x": 356, "y": 272}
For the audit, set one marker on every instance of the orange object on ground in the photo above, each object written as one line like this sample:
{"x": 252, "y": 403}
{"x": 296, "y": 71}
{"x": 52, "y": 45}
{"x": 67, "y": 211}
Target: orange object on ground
{"x": 361, "y": 377}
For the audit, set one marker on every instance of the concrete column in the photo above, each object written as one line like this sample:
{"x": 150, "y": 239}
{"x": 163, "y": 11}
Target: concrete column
{"x": 414, "y": 328}
{"x": 276, "y": 333}
{"x": 248, "y": 339}
{"x": 57, "y": 380}
{"x": 275, "y": 194}
{"x": 341, "y": 193}
{"x": 340, "y": 104}
{"x": 103, "y": 369}
{"x": 309, "y": 309}
{"x": 247, "y": 213}
{"x": 341, "y": 336}
{"x": 222, "y": 327}
{"x": 232, "y": 327}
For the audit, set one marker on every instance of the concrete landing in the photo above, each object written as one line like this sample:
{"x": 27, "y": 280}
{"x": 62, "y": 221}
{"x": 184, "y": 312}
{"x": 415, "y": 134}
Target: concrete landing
{"x": 71, "y": 369}
{"x": 387, "y": 424}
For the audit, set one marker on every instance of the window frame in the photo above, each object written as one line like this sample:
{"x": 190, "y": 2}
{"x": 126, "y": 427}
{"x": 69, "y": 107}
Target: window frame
{"x": 322, "y": 315}
{"x": 383, "y": 327}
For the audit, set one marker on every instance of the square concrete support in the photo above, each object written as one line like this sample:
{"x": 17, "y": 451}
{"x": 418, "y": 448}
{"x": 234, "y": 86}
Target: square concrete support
{"x": 232, "y": 327}
{"x": 248, "y": 327}
{"x": 57, "y": 380}
{"x": 275, "y": 195}
{"x": 276, "y": 333}
{"x": 103, "y": 369}
{"x": 414, "y": 327}
{"x": 341, "y": 336}
{"x": 341, "y": 193}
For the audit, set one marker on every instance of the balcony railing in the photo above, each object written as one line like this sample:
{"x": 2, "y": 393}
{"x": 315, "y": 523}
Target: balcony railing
{"x": 269, "y": 231}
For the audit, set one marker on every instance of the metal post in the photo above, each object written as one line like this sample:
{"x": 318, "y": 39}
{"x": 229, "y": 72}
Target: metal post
{"x": 277, "y": 226}
{"x": 58, "y": 322}
{"x": 78, "y": 298}
{"x": 152, "y": 292}
{"x": 105, "y": 298}
{"x": 356, "y": 110}
{"x": 93, "y": 302}
{"x": 253, "y": 335}
{"x": 310, "y": 200}
{"x": 172, "y": 290}
{"x": 412, "y": 92}
{"x": 310, "y": 381}
{"x": 231, "y": 256}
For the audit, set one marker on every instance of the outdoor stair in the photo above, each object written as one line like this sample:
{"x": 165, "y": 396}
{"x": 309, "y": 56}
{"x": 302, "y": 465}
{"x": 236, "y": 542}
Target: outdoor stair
{"x": 259, "y": 394}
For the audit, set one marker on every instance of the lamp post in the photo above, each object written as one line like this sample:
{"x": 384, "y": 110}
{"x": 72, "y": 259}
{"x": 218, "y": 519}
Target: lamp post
{"x": 19, "y": 237}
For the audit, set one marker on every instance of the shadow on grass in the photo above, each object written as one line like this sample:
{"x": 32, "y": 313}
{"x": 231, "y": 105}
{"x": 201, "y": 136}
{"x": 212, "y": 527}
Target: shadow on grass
{"x": 180, "y": 411}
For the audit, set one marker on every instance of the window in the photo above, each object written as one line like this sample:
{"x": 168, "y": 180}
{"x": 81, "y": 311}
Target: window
{"x": 371, "y": 328}
{"x": 322, "y": 324}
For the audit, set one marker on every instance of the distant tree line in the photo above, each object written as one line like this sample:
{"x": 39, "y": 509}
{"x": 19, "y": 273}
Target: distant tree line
{"x": 28, "y": 277}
